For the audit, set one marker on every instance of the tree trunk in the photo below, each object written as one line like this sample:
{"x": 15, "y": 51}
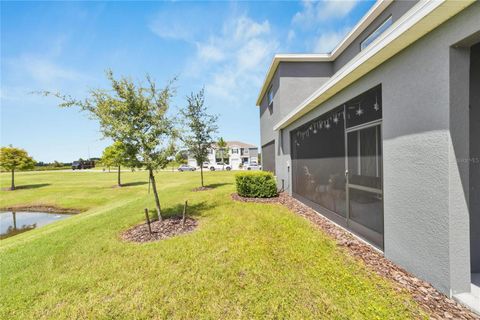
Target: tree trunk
{"x": 157, "y": 200}
{"x": 201, "y": 174}
{"x": 13, "y": 180}
{"x": 118, "y": 177}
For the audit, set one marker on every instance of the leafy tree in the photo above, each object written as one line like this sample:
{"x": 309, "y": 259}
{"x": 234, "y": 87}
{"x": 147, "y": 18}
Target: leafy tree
{"x": 12, "y": 159}
{"x": 134, "y": 114}
{"x": 201, "y": 127}
{"x": 222, "y": 149}
{"x": 117, "y": 155}
{"x": 57, "y": 164}
{"x": 181, "y": 157}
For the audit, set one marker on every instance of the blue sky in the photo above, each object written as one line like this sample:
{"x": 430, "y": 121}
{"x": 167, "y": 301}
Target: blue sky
{"x": 225, "y": 47}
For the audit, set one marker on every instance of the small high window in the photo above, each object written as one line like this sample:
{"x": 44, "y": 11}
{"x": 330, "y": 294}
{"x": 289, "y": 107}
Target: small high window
{"x": 375, "y": 34}
{"x": 270, "y": 96}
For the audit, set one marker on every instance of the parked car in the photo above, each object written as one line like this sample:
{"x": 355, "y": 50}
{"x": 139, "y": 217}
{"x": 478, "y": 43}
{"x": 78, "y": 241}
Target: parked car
{"x": 186, "y": 167}
{"x": 206, "y": 165}
{"x": 219, "y": 166}
{"x": 252, "y": 166}
{"x": 83, "y": 164}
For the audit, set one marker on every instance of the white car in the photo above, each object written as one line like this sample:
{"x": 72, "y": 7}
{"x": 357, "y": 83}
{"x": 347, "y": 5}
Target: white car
{"x": 252, "y": 166}
{"x": 219, "y": 166}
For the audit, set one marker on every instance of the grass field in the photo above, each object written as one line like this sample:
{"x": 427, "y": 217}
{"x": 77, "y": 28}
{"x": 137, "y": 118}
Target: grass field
{"x": 245, "y": 260}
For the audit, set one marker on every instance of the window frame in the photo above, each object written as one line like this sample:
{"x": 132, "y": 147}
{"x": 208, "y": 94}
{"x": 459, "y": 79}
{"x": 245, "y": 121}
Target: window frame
{"x": 270, "y": 95}
{"x": 376, "y": 33}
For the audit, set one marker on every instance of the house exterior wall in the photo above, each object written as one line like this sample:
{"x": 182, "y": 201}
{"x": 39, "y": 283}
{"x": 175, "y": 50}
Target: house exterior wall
{"x": 474, "y": 159}
{"x": 426, "y": 219}
{"x": 234, "y": 159}
{"x": 396, "y": 9}
{"x": 301, "y": 79}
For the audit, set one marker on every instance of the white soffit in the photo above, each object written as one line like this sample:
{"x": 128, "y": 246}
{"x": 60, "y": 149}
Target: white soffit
{"x": 418, "y": 21}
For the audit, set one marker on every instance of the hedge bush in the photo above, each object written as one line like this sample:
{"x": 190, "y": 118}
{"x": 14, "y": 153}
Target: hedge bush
{"x": 256, "y": 184}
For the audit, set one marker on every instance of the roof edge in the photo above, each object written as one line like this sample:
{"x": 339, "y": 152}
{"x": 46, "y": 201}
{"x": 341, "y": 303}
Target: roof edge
{"x": 366, "y": 20}
{"x": 436, "y": 12}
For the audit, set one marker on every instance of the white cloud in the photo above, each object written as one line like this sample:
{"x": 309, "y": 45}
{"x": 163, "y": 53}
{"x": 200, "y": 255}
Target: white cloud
{"x": 291, "y": 35}
{"x": 210, "y": 52}
{"x": 328, "y": 40}
{"x": 234, "y": 60}
{"x": 181, "y": 22}
{"x": 44, "y": 70}
{"x": 173, "y": 30}
{"x": 315, "y": 12}
{"x": 245, "y": 28}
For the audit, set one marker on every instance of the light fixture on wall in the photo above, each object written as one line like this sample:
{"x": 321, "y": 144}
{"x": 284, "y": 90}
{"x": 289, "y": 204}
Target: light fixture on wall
{"x": 376, "y": 106}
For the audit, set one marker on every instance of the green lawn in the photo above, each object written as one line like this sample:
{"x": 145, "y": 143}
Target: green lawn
{"x": 244, "y": 261}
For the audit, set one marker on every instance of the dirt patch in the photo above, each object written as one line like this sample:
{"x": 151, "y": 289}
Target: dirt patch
{"x": 167, "y": 228}
{"x": 202, "y": 189}
{"x": 41, "y": 208}
{"x": 435, "y": 303}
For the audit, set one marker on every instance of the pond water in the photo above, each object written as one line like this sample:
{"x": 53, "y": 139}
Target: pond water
{"x": 12, "y": 223}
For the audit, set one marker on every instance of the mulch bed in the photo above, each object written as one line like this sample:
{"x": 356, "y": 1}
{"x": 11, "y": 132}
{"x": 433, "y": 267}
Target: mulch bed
{"x": 435, "y": 303}
{"x": 41, "y": 208}
{"x": 202, "y": 189}
{"x": 167, "y": 228}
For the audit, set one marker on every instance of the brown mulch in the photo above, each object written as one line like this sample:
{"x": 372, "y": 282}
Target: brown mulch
{"x": 202, "y": 189}
{"x": 435, "y": 303}
{"x": 167, "y": 228}
{"x": 41, "y": 208}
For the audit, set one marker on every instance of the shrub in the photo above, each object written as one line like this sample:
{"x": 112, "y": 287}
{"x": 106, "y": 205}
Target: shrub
{"x": 256, "y": 184}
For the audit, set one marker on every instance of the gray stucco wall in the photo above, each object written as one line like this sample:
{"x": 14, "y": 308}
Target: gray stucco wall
{"x": 253, "y": 152}
{"x": 459, "y": 168}
{"x": 396, "y": 9}
{"x": 425, "y": 200}
{"x": 292, "y": 83}
{"x": 474, "y": 159}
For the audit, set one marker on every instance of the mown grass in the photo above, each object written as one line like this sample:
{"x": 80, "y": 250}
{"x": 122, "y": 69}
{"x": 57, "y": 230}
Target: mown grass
{"x": 245, "y": 260}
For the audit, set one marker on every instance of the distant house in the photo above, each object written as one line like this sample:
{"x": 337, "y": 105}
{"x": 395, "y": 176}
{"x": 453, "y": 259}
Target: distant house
{"x": 238, "y": 153}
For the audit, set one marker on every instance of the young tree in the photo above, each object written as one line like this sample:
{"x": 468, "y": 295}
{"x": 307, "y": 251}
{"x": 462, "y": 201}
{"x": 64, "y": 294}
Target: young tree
{"x": 119, "y": 155}
{"x": 181, "y": 157}
{"x": 57, "y": 164}
{"x": 201, "y": 127}
{"x": 222, "y": 149}
{"x": 12, "y": 159}
{"x": 135, "y": 115}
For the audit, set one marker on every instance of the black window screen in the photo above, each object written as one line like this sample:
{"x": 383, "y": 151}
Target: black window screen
{"x": 268, "y": 157}
{"x": 318, "y": 161}
{"x": 365, "y": 108}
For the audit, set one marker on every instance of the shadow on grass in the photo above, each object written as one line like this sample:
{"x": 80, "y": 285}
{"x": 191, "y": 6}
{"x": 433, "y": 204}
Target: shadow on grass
{"x": 132, "y": 184}
{"x": 217, "y": 185}
{"x": 193, "y": 210}
{"x": 32, "y": 186}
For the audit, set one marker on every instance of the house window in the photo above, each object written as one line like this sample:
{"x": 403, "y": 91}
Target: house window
{"x": 245, "y": 151}
{"x": 270, "y": 96}
{"x": 234, "y": 151}
{"x": 375, "y": 34}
